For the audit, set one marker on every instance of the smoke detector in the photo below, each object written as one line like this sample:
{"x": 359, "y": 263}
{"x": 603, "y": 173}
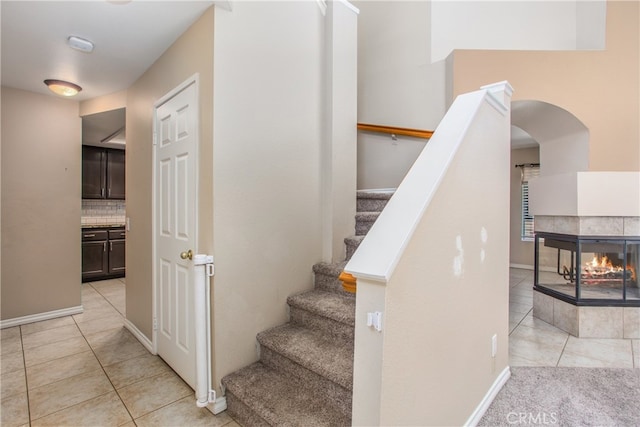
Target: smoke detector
{"x": 80, "y": 44}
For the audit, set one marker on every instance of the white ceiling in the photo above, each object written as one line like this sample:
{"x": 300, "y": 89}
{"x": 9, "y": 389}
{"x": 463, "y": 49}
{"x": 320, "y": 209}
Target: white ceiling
{"x": 128, "y": 37}
{"x": 104, "y": 129}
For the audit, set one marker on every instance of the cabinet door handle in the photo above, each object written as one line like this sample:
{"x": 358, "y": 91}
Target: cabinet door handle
{"x": 102, "y": 192}
{"x": 89, "y": 235}
{"x": 109, "y": 192}
{"x": 110, "y": 246}
{"x": 104, "y": 247}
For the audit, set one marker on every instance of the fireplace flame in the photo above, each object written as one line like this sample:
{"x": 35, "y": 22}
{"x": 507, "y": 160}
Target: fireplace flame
{"x": 630, "y": 268}
{"x": 602, "y": 264}
{"x": 602, "y": 267}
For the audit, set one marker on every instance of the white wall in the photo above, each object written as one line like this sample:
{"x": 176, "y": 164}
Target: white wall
{"x": 384, "y": 162}
{"x": 589, "y": 194}
{"x": 397, "y": 86}
{"x": 268, "y": 111}
{"x": 516, "y": 25}
{"x": 339, "y": 162}
{"x": 591, "y": 20}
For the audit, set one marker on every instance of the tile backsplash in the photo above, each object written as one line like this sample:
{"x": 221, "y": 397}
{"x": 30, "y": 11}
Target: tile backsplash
{"x": 103, "y": 212}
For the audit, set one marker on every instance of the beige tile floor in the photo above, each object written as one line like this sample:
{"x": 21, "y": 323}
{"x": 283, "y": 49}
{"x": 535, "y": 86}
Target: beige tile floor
{"x": 533, "y": 342}
{"x": 88, "y": 370}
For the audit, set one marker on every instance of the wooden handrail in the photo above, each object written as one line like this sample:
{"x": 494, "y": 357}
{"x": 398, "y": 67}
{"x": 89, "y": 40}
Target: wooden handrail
{"x": 416, "y": 133}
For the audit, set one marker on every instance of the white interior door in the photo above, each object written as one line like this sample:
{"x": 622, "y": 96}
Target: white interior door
{"x": 176, "y": 122}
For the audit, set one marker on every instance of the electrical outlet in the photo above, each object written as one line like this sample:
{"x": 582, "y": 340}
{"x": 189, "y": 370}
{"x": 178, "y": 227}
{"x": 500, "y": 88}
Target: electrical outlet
{"x": 494, "y": 345}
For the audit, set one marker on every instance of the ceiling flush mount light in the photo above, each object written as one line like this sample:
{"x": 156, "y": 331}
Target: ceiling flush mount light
{"x": 80, "y": 44}
{"x": 63, "y": 88}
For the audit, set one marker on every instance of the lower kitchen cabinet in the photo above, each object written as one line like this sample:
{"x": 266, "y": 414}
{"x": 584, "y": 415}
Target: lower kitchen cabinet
{"x": 103, "y": 255}
{"x": 94, "y": 259}
{"x": 116, "y": 251}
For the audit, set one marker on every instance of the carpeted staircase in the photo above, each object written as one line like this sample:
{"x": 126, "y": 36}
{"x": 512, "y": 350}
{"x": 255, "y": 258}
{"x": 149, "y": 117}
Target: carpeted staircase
{"x": 305, "y": 373}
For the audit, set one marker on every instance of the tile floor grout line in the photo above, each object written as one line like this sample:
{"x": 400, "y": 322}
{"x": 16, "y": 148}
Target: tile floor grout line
{"x": 66, "y": 378}
{"x": 69, "y": 407}
{"x": 160, "y": 407}
{"x": 103, "y": 370}
{"x": 26, "y": 381}
{"x": 566, "y": 341}
{"x": 633, "y": 360}
{"x": 102, "y": 366}
{"x": 520, "y": 322}
{"x": 107, "y": 300}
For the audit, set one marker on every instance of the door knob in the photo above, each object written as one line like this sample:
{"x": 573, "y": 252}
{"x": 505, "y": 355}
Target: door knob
{"x": 187, "y": 255}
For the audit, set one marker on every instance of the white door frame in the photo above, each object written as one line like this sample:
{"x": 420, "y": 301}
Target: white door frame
{"x": 193, "y": 80}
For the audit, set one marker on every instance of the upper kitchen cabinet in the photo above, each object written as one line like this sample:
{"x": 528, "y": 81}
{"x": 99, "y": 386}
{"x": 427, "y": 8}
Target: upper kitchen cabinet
{"x": 115, "y": 174}
{"x": 103, "y": 173}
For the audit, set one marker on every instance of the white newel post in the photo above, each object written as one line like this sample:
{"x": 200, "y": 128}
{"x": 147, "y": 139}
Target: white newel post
{"x": 501, "y": 91}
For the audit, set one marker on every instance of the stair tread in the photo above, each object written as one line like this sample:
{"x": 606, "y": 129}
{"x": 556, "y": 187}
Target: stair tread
{"x": 367, "y": 216}
{"x": 341, "y": 308}
{"x": 281, "y": 399}
{"x": 333, "y": 268}
{"x": 364, "y": 194}
{"x": 326, "y": 355}
{"x": 354, "y": 239}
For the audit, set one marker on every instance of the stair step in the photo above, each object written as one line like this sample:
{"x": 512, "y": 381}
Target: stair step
{"x": 352, "y": 243}
{"x": 364, "y": 222}
{"x": 325, "y": 311}
{"x": 372, "y": 201}
{"x": 257, "y": 395}
{"x": 326, "y": 276}
{"x": 315, "y": 352}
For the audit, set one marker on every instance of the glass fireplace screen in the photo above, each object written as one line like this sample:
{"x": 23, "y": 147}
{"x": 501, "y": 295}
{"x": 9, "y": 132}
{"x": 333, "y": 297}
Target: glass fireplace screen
{"x": 588, "y": 270}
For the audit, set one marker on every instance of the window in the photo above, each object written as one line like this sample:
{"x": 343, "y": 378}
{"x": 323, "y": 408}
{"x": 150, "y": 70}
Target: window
{"x": 529, "y": 171}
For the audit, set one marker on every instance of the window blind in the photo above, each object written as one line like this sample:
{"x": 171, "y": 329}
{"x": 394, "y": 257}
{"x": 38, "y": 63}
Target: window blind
{"x": 528, "y": 172}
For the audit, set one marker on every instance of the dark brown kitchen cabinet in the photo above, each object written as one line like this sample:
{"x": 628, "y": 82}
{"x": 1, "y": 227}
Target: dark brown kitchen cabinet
{"x": 116, "y": 251}
{"x": 95, "y": 259}
{"x": 115, "y": 174}
{"x": 93, "y": 172}
{"x": 103, "y": 175}
{"x": 103, "y": 255}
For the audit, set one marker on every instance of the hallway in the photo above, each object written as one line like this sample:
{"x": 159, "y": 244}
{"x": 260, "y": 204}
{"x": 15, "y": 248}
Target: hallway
{"x": 89, "y": 370}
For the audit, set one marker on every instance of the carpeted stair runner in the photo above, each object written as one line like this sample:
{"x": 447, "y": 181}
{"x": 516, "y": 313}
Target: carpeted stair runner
{"x": 352, "y": 244}
{"x": 305, "y": 373}
{"x": 329, "y": 312}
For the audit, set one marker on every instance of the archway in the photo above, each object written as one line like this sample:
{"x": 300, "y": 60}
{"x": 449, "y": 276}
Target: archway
{"x": 563, "y": 138}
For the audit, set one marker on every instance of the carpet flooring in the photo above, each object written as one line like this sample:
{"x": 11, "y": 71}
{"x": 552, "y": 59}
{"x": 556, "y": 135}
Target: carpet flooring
{"x": 567, "y": 397}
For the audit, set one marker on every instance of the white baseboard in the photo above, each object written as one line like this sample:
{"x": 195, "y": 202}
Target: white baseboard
{"x": 530, "y": 267}
{"x": 497, "y": 385}
{"x": 521, "y": 266}
{"x": 39, "y": 317}
{"x": 218, "y": 406}
{"x": 146, "y": 342}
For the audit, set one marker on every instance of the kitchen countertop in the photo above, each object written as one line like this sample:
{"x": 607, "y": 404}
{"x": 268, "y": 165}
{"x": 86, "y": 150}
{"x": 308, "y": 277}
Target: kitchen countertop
{"x": 118, "y": 225}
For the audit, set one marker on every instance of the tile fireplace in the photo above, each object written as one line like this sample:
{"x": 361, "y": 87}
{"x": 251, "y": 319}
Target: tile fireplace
{"x": 590, "y": 270}
{"x": 586, "y": 275}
